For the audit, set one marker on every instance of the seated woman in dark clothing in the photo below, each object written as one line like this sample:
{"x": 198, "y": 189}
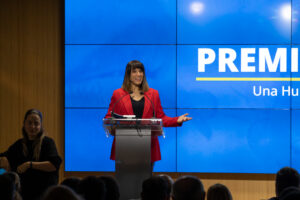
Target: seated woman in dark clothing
{"x": 34, "y": 157}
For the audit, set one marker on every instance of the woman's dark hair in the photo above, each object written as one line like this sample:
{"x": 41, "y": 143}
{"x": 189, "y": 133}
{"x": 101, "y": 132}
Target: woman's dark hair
{"x": 218, "y": 192}
{"x": 37, "y": 143}
{"x": 134, "y": 64}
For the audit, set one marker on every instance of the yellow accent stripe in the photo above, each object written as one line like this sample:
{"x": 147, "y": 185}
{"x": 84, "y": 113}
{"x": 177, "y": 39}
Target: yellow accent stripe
{"x": 246, "y": 79}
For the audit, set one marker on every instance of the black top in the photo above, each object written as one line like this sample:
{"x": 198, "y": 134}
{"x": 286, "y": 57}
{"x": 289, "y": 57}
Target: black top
{"x": 34, "y": 182}
{"x": 138, "y": 107}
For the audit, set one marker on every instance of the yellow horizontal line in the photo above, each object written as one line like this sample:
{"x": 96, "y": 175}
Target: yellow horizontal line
{"x": 246, "y": 79}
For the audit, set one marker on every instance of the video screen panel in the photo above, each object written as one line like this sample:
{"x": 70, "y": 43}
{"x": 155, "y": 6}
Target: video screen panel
{"x": 93, "y": 72}
{"x": 294, "y": 91}
{"x": 120, "y": 22}
{"x": 234, "y": 140}
{"x": 295, "y": 22}
{"x": 295, "y": 114}
{"x": 101, "y": 37}
{"x": 167, "y": 147}
{"x": 234, "y": 22}
{"x": 86, "y": 146}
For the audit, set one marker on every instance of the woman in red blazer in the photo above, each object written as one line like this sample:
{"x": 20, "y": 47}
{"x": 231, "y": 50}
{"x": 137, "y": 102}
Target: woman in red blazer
{"x": 130, "y": 100}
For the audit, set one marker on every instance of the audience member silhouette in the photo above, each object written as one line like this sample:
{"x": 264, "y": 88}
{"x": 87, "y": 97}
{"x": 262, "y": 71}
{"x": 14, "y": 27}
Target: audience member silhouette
{"x": 218, "y": 192}
{"x": 169, "y": 181}
{"x": 14, "y": 177}
{"x": 156, "y": 188}
{"x": 290, "y": 193}
{"x": 92, "y": 188}
{"x": 60, "y": 192}
{"x": 112, "y": 188}
{"x": 72, "y": 182}
{"x": 188, "y": 188}
{"x": 285, "y": 177}
{"x": 7, "y": 188}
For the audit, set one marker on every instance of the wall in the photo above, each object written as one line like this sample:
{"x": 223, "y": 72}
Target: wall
{"x": 31, "y": 64}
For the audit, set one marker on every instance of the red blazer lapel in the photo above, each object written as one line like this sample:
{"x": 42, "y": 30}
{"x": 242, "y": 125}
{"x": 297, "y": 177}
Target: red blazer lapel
{"x": 127, "y": 105}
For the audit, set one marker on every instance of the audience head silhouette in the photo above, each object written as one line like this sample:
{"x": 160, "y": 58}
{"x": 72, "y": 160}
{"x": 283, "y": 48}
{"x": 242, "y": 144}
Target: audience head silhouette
{"x": 188, "y": 188}
{"x": 169, "y": 181}
{"x": 7, "y": 188}
{"x": 218, "y": 192}
{"x": 60, "y": 192}
{"x": 286, "y": 177}
{"x": 290, "y": 193}
{"x": 15, "y": 179}
{"x": 71, "y": 182}
{"x": 156, "y": 188}
{"x": 92, "y": 188}
{"x": 112, "y": 188}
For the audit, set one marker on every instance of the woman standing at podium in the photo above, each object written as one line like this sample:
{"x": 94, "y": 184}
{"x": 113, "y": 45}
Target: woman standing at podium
{"x": 137, "y": 98}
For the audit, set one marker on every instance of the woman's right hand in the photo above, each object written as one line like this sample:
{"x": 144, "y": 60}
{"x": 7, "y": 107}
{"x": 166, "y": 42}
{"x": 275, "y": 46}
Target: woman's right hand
{"x": 4, "y": 163}
{"x": 23, "y": 167}
{"x": 183, "y": 118}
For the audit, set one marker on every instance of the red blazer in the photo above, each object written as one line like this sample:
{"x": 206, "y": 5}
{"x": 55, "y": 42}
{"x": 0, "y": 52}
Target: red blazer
{"x": 124, "y": 107}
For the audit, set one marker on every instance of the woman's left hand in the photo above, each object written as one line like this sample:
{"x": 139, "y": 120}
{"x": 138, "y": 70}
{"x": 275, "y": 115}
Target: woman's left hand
{"x": 23, "y": 167}
{"x": 183, "y": 118}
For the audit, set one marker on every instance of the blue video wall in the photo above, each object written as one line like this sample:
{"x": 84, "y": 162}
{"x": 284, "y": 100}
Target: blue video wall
{"x": 231, "y": 64}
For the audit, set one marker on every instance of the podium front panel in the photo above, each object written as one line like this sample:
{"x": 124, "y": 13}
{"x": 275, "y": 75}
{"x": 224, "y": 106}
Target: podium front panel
{"x": 133, "y": 160}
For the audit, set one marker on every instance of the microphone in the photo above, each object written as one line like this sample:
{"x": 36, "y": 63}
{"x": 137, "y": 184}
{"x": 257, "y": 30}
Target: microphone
{"x": 151, "y": 103}
{"x": 115, "y": 115}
